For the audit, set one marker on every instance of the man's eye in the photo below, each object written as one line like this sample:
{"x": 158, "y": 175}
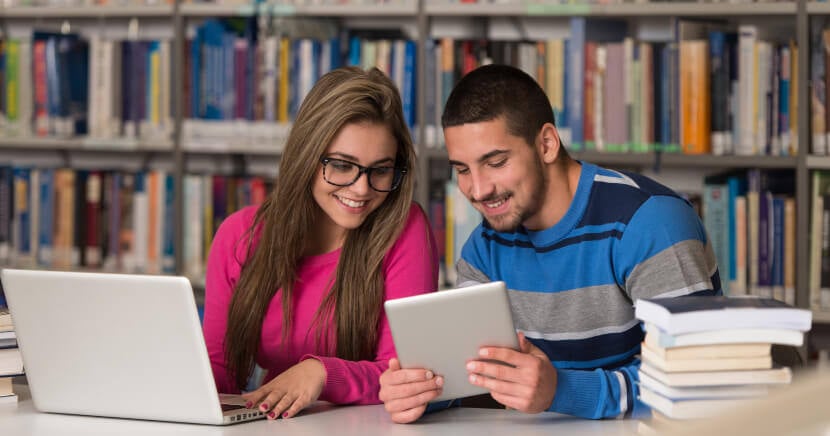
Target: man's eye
{"x": 498, "y": 164}
{"x": 462, "y": 170}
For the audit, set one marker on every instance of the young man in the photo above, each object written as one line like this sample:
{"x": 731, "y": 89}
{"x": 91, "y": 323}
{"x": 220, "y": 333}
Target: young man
{"x": 576, "y": 244}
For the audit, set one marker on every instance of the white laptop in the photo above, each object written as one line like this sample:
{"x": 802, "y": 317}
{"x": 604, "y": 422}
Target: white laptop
{"x": 116, "y": 345}
{"x": 443, "y": 330}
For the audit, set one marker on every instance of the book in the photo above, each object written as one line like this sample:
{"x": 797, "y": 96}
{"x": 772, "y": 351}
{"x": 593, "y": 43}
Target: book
{"x": 694, "y": 314}
{"x": 705, "y": 364}
{"x": 702, "y": 392}
{"x": 5, "y": 319}
{"x": 660, "y": 339}
{"x": 8, "y": 399}
{"x": 11, "y": 363}
{"x": 6, "y": 386}
{"x": 8, "y": 339}
{"x": 687, "y": 409}
{"x": 772, "y": 376}
{"x": 709, "y": 351}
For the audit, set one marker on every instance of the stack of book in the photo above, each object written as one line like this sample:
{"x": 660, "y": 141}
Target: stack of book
{"x": 704, "y": 355}
{"x": 11, "y": 364}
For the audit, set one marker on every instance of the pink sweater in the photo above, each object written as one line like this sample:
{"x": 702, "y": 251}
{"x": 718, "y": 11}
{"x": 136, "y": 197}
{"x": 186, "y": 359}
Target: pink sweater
{"x": 410, "y": 268}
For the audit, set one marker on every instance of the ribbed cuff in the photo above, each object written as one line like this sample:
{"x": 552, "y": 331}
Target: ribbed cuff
{"x": 576, "y": 393}
{"x": 335, "y": 376}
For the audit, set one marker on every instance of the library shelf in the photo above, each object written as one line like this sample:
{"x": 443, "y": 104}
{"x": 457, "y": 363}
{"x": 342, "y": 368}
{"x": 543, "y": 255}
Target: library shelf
{"x": 818, "y": 162}
{"x": 674, "y": 160}
{"x": 821, "y": 316}
{"x": 310, "y": 10}
{"x": 669, "y": 9}
{"x": 85, "y": 144}
{"x": 818, "y": 8}
{"x": 112, "y": 11}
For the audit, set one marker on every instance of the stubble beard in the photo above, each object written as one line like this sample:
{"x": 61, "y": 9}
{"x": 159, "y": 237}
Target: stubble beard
{"x": 512, "y": 220}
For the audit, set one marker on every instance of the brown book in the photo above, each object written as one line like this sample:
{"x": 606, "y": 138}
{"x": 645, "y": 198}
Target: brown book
{"x": 705, "y": 364}
{"x": 716, "y": 351}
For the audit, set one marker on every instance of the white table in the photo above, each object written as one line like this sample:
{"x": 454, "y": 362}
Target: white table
{"x": 23, "y": 419}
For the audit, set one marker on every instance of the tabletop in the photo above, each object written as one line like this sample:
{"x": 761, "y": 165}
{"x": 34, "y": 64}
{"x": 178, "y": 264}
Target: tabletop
{"x": 23, "y": 419}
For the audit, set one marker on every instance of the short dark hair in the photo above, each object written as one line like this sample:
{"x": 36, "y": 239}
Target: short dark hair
{"x": 493, "y": 91}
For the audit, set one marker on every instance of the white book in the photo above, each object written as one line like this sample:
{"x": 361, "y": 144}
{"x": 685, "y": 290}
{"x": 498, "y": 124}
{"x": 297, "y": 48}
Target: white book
{"x": 658, "y": 338}
{"x": 11, "y": 362}
{"x": 105, "y": 100}
{"x": 694, "y": 314}
{"x": 599, "y": 97}
{"x": 384, "y": 56}
{"x": 141, "y": 212}
{"x": 398, "y": 63}
{"x": 701, "y": 392}
{"x": 95, "y": 86}
{"x": 688, "y": 409}
{"x": 165, "y": 120}
{"x": 306, "y": 68}
{"x": 25, "y": 99}
{"x": 748, "y": 35}
{"x": 34, "y": 213}
{"x": 9, "y": 399}
{"x": 193, "y": 209}
{"x": 269, "y": 83}
{"x": 114, "y": 104}
{"x": 775, "y": 376}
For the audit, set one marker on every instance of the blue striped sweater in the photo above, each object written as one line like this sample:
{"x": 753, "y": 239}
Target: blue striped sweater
{"x": 572, "y": 286}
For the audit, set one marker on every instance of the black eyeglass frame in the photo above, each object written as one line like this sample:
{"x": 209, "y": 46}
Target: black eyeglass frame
{"x": 397, "y": 177}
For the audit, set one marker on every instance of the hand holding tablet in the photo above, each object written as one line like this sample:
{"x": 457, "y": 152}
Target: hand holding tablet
{"x": 443, "y": 331}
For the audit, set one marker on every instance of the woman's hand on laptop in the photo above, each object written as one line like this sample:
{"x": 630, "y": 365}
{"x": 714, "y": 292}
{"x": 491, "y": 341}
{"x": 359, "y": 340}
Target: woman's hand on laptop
{"x": 289, "y": 392}
{"x": 526, "y": 383}
{"x": 406, "y": 392}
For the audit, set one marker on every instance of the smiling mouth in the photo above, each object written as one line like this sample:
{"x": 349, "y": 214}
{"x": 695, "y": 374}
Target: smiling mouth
{"x": 349, "y": 202}
{"x": 494, "y": 203}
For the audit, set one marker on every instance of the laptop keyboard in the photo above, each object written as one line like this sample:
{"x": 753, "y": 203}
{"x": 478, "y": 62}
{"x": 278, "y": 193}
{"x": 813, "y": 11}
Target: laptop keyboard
{"x": 237, "y": 413}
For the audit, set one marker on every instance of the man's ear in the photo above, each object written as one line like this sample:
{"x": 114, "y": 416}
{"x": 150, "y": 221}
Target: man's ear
{"x": 549, "y": 143}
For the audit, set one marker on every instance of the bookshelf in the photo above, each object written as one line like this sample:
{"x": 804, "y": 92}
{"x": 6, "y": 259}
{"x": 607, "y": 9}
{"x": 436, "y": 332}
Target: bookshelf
{"x": 422, "y": 16}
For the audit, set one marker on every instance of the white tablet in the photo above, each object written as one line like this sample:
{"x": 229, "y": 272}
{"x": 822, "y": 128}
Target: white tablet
{"x": 443, "y": 330}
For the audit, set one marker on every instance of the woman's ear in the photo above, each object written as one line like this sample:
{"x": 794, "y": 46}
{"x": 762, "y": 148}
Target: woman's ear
{"x": 549, "y": 143}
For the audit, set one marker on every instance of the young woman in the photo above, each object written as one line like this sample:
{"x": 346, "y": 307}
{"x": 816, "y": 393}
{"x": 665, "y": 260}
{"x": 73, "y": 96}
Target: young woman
{"x": 297, "y": 285}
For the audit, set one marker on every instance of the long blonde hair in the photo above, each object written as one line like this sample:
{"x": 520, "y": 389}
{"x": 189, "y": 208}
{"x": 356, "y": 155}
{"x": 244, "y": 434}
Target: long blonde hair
{"x": 286, "y": 219}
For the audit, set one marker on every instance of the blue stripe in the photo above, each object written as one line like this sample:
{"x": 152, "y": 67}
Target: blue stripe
{"x": 561, "y": 244}
{"x": 598, "y": 229}
{"x": 607, "y": 363}
{"x": 589, "y": 349}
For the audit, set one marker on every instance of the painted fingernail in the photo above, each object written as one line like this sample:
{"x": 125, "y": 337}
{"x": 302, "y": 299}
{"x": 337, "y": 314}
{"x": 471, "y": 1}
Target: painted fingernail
{"x": 439, "y": 381}
{"x": 285, "y": 415}
{"x": 264, "y": 407}
{"x": 248, "y": 405}
{"x": 272, "y": 415}
{"x": 429, "y": 375}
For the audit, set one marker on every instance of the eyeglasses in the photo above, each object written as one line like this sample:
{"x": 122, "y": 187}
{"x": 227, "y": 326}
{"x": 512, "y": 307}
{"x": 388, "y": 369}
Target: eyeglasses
{"x": 339, "y": 172}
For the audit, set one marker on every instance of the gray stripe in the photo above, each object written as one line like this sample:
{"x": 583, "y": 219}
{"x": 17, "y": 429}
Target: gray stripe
{"x": 581, "y": 335}
{"x": 680, "y": 269}
{"x": 468, "y": 274}
{"x": 574, "y": 314}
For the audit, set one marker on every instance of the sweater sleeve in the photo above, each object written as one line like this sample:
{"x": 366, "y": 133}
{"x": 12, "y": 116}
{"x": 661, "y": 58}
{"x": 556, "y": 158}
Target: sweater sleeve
{"x": 410, "y": 268}
{"x": 598, "y": 393}
{"x": 664, "y": 252}
{"x": 223, "y": 268}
